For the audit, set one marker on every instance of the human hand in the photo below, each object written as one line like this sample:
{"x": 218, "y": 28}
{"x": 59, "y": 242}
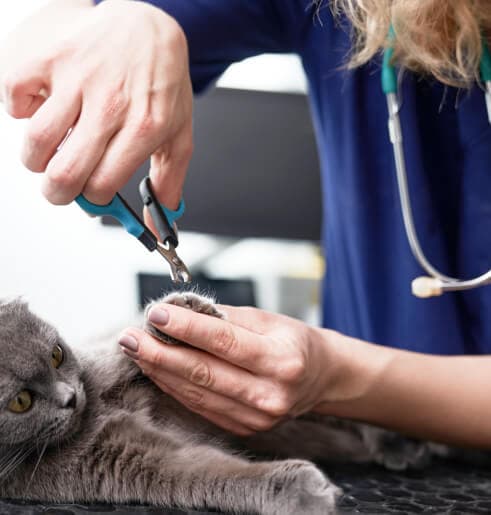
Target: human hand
{"x": 244, "y": 374}
{"x": 117, "y": 75}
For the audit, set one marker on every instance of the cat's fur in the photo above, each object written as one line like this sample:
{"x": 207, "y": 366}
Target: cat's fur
{"x": 100, "y": 431}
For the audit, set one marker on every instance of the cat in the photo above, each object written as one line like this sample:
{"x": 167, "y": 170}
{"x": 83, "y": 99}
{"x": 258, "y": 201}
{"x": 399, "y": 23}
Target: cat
{"x": 90, "y": 427}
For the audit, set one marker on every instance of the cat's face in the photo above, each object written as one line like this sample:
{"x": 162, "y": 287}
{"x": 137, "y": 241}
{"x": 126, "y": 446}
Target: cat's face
{"x": 41, "y": 392}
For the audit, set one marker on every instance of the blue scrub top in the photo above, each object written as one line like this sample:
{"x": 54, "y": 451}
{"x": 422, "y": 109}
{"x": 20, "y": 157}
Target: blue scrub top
{"x": 366, "y": 290}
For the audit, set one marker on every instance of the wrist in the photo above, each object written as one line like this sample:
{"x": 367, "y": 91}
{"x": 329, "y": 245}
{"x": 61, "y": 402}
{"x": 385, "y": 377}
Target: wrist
{"x": 353, "y": 369}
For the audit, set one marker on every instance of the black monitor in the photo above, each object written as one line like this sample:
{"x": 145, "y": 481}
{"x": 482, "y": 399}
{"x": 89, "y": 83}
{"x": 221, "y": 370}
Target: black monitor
{"x": 255, "y": 170}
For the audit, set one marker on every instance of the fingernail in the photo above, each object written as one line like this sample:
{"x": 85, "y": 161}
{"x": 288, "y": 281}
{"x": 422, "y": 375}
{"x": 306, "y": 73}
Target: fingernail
{"x": 128, "y": 342}
{"x": 158, "y": 316}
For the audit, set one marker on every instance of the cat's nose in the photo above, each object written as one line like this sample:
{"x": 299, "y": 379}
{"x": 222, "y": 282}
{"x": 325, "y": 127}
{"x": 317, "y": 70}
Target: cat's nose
{"x": 66, "y": 395}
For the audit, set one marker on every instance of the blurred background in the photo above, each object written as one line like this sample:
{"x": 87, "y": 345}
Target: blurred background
{"x": 249, "y": 234}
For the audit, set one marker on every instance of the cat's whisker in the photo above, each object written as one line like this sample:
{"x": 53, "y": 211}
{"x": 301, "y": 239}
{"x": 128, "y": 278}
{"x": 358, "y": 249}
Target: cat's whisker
{"x": 9, "y": 457}
{"x": 15, "y": 460}
{"x": 37, "y": 464}
{"x": 5, "y": 460}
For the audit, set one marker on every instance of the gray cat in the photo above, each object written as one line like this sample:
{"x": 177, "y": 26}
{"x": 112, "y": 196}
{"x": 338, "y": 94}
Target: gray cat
{"x": 91, "y": 428}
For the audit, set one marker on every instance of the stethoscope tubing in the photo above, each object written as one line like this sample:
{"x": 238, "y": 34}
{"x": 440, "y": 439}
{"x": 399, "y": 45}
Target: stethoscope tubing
{"x": 437, "y": 282}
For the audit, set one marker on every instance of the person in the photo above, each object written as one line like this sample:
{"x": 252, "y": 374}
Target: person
{"x": 117, "y": 74}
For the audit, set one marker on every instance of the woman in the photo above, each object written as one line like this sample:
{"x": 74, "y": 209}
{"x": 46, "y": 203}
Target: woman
{"x": 117, "y": 73}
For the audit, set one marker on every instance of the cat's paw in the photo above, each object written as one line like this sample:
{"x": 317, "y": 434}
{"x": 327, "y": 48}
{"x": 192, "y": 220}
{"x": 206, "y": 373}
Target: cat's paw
{"x": 395, "y": 451}
{"x": 193, "y": 301}
{"x": 298, "y": 486}
{"x": 187, "y": 299}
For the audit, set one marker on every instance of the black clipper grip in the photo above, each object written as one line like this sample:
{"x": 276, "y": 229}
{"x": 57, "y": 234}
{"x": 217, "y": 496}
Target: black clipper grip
{"x": 166, "y": 232}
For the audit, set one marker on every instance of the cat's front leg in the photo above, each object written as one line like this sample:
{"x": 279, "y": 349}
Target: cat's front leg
{"x": 131, "y": 465}
{"x": 324, "y": 438}
{"x": 313, "y": 438}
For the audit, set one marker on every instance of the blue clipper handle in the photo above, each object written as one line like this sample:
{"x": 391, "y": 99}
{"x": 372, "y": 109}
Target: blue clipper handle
{"x": 173, "y": 216}
{"x": 119, "y": 209}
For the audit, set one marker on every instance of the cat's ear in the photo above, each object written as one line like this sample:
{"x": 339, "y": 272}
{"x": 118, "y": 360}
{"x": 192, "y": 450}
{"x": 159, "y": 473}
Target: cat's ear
{"x": 15, "y": 303}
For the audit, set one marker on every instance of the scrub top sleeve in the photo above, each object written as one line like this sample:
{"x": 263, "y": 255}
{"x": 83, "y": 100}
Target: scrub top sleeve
{"x": 221, "y": 32}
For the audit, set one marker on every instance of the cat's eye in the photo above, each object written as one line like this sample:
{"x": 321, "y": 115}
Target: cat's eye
{"x": 56, "y": 356}
{"x": 21, "y": 402}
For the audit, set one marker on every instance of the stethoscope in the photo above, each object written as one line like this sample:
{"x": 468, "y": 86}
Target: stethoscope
{"x": 435, "y": 283}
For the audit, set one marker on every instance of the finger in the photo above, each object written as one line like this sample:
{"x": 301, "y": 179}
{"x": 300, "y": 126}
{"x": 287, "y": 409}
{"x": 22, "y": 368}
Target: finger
{"x": 71, "y": 167}
{"x": 123, "y": 156}
{"x": 22, "y": 90}
{"x": 169, "y": 165}
{"x": 32, "y": 104}
{"x": 219, "y": 420}
{"x": 167, "y": 172}
{"x": 139, "y": 137}
{"x": 229, "y": 342}
{"x": 170, "y": 160}
{"x": 202, "y": 399}
{"x": 200, "y": 369}
{"x": 47, "y": 129}
{"x": 247, "y": 317}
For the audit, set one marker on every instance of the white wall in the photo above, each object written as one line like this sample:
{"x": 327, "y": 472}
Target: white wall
{"x": 73, "y": 271}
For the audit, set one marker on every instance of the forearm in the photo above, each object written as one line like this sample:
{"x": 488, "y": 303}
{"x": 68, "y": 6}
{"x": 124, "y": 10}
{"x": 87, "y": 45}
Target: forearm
{"x": 432, "y": 397}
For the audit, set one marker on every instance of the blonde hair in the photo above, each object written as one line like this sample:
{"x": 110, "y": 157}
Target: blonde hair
{"x": 437, "y": 37}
